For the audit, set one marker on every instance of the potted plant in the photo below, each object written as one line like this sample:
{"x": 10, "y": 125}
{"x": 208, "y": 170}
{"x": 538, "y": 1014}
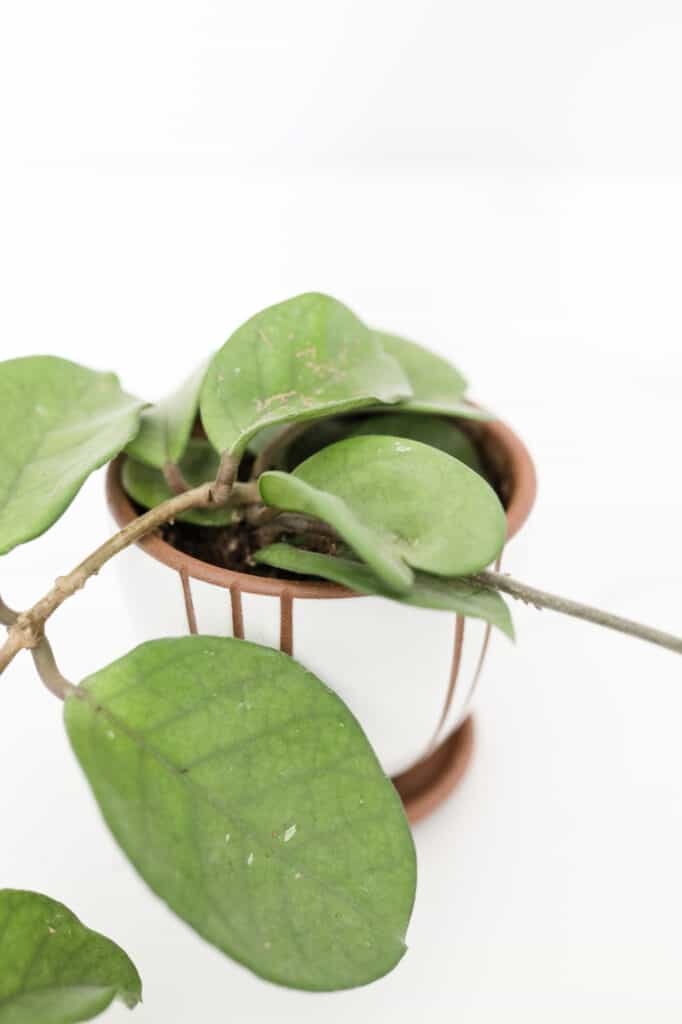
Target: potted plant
{"x": 243, "y": 768}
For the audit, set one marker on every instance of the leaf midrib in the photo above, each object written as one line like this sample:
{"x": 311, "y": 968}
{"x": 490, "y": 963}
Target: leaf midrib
{"x": 140, "y": 741}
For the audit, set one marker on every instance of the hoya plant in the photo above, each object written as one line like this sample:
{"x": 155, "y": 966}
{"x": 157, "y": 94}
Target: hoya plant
{"x": 330, "y": 450}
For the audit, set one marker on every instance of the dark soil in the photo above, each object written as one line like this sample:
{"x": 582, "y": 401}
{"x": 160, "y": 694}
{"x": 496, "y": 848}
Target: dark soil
{"x": 232, "y": 547}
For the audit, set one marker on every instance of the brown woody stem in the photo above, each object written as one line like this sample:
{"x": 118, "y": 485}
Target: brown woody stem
{"x": 43, "y": 658}
{"x": 542, "y": 599}
{"x": 26, "y": 631}
{"x": 174, "y": 478}
{"x": 221, "y": 488}
{"x": 242, "y": 493}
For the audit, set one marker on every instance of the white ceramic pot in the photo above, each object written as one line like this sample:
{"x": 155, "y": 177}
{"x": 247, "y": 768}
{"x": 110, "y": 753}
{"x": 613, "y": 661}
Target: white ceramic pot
{"x": 407, "y": 674}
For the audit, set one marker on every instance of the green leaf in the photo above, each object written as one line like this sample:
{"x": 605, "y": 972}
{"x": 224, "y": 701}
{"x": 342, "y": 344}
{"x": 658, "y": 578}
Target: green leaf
{"x": 198, "y": 465}
{"x": 287, "y": 492}
{"x": 58, "y": 422}
{"x": 437, "y": 387}
{"x": 54, "y": 970}
{"x": 298, "y": 360}
{"x": 318, "y": 435}
{"x": 436, "y": 431}
{"x": 431, "y": 510}
{"x": 463, "y": 597}
{"x": 247, "y": 796}
{"x": 165, "y": 428}
{"x": 262, "y": 439}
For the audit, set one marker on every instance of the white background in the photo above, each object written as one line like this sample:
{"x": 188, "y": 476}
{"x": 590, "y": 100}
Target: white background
{"x": 501, "y": 181}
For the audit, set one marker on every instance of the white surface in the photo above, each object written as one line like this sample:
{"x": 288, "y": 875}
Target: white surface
{"x": 501, "y": 181}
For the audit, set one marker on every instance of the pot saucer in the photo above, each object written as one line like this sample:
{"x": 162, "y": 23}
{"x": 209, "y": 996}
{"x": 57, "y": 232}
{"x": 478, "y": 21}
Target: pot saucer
{"x": 425, "y": 786}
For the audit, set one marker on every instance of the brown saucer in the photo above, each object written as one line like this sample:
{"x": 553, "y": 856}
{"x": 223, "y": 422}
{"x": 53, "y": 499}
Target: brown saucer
{"x": 429, "y": 783}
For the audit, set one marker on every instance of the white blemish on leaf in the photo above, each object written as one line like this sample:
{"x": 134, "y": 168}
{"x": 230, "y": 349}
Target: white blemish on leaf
{"x": 249, "y": 860}
{"x": 265, "y": 403}
{"x": 289, "y": 833}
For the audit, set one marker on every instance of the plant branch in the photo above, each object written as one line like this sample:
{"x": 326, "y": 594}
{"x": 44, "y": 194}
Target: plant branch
{"x": 541, "y": 599}
{"x": 27, "y": 629}
{"x": 174, "y": 478}
{"x": 246, "y": 493}
{"x": 7, "y": 615}
{"x": 295, "y": 522}
{"x": 317, "y": 540}
{"x": 221, "y": 489}
{"x": 242, "y": 493}
{"x": 46, "y": 666}
{"x": 43, "y": 658}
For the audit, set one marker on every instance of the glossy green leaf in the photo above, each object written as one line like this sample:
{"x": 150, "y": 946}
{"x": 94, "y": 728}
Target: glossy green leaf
{"x": 461, "y": 596}
{"x": 262, "y": 439}
{"x": 198, "y": 465}
{"x": 58, "y": 422}
{"x": 165, "y": 428}
{"x": 437, "y": 431}
{"x": 431, "y": 510}
{"x": 54, "y": 970}
{"x": 437, "y": 387}
{"x": 289, "y": 493}
{"x": 298, "y": 360}
{"x": 247, "y": 796}
{"x": 317, "y": 436}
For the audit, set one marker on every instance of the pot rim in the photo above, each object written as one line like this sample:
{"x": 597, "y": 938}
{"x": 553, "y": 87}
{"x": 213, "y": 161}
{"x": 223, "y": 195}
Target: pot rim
{"x": 522, "y": 490}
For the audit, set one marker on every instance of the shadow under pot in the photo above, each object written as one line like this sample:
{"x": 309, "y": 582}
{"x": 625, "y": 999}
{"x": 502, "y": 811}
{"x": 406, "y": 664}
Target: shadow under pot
{"x": 407, "y": 674}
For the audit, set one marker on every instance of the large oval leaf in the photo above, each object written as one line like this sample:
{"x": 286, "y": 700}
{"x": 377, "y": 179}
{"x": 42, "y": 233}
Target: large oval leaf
{"x": 148, "y": 487}
{"x": 54, "y": 970}
{"x": 437, "y": 431}
{"x": 437, "y": 386}
{"x": 304, "y": 358}
{"x": 464, "y": 597}
{"x": 247, "y": 796}
{"x": 430, "y": 510}
{"x": 58, "y": 422}
{"x": 291, "y": 494}
{"x": 165, "y": 428}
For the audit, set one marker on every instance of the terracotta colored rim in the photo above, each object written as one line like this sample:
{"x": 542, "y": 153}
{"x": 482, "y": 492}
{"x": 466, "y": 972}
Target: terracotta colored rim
{"x": 506, "y": 453}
